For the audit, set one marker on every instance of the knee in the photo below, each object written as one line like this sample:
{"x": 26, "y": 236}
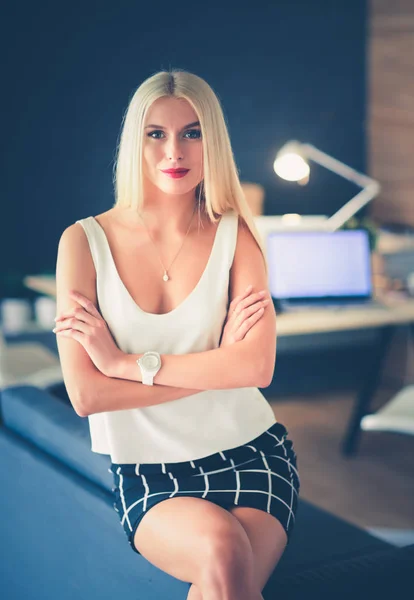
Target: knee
{"x": 228, "y": 555}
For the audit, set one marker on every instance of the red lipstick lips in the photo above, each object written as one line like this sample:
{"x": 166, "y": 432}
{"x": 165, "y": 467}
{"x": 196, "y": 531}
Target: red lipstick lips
{"x": 176, "y": 173}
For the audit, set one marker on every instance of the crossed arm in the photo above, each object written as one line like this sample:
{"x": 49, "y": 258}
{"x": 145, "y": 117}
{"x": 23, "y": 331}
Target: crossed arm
{"x": 240, "y": 365}
{"x": 249, "y": 362}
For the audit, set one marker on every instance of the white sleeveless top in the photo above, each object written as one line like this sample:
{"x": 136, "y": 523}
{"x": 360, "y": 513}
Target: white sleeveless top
{"x": 194, "y": 426}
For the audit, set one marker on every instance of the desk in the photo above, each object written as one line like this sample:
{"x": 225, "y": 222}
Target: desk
{"x": 44, "y": 284}
{"x": 396, "y": 311}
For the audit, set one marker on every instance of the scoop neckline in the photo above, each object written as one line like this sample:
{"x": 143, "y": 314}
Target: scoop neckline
{"x": 186, "y": 299}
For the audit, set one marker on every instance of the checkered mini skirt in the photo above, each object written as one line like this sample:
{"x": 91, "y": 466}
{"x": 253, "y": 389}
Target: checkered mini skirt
{"x": 262, "y": 474}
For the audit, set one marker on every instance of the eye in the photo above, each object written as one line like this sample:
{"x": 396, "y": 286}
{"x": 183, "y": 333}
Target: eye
{"x": 195, "y": 134}
{"x": 196, "y": 131}
{"x": 155, "y": 131}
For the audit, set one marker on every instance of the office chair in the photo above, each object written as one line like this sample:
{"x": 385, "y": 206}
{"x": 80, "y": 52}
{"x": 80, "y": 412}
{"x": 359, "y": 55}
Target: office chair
{"x": 397, "y": 415}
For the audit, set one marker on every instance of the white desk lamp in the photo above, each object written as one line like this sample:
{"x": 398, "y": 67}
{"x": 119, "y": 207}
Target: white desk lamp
{"x": 397, "y": 415}
{"x": 290, "y": 164}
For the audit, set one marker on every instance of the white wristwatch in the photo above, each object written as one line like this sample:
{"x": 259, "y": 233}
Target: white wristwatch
{"x": 150, "y": 364}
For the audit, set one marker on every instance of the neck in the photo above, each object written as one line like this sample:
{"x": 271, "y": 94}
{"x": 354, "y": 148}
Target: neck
{"x": 165, "y": 214}
{"x": 172, "y": 217}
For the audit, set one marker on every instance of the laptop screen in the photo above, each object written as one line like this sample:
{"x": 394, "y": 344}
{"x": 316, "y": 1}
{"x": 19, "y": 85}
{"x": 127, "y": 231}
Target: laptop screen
{"x": 321, "y": 265}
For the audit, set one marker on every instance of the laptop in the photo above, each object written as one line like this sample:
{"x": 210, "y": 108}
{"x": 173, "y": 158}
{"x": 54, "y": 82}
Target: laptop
{"x": 320, "y": 269}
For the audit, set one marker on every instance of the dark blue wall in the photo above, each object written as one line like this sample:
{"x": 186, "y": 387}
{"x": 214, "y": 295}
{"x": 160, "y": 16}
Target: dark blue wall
{"x": 282, "y": 70}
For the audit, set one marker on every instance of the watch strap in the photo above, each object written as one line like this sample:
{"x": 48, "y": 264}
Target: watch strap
{"x": 147, "y": 378}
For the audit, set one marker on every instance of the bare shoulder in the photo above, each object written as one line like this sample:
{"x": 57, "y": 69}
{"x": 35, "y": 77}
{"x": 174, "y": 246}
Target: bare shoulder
{"x": 246, "y": 242}
{"x": 74, "y": 266}
{"x": 72, "y": 234}
{"x": 248, "y": 265}
{"x": 74, "y": 238}
{"x": 74, "y": 245}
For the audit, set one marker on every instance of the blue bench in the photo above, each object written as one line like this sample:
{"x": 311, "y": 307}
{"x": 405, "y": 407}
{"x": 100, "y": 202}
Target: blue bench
{"x": 61, "y": 538}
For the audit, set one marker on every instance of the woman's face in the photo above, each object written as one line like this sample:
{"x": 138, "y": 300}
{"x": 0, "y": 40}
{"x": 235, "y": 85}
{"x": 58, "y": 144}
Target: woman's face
{"x": 172, "y": 140}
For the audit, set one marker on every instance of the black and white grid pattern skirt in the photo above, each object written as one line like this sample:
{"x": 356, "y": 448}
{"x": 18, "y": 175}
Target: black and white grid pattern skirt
{"x": 262, "y": 473}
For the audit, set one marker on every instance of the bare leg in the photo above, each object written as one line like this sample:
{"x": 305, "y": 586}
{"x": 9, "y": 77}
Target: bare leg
{"x": 225, "y": 585}
{"x": 195, "y": 594}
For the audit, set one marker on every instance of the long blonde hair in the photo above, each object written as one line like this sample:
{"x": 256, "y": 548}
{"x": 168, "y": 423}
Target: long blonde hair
{"x": 220, "y": 191}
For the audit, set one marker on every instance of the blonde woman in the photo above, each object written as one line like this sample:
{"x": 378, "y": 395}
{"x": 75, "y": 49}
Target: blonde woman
{"x": 163, "y": 347}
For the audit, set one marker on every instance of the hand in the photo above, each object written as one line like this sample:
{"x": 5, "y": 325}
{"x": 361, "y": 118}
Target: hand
{"x": 244, "y": 312}
{"x": 86, "y": 325}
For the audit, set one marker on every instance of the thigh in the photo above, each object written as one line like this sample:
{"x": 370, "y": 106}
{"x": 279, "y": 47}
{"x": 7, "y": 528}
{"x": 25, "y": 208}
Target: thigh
{"x": 268, "y": 540}
{"x": 177, "y": 535}
{"x": 268, "y": 511}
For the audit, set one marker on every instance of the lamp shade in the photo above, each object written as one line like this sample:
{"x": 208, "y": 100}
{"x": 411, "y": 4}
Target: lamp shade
{"x": 291, "y": 166}
{"x": 290, "y": 163}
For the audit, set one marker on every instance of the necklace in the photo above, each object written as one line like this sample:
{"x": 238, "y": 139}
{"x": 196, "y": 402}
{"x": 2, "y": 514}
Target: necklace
{"x": 166, "y": 277}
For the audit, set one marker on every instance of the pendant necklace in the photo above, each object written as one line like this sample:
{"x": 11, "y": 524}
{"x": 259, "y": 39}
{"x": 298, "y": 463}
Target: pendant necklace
{"x": 166, "y": 277}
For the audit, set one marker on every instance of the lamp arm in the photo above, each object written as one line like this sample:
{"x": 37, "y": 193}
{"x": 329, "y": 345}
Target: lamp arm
{"x": 371, "y": 186}
{"x": 349, "y": 209}
{"x": 336, "y": 165}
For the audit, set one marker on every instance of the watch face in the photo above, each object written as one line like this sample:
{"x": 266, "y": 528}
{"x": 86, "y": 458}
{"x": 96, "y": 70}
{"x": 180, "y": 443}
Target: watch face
{"x": 150, "y": 361}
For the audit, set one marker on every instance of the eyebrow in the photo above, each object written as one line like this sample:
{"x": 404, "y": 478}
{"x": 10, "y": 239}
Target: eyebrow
{"x": 185, "y": 126}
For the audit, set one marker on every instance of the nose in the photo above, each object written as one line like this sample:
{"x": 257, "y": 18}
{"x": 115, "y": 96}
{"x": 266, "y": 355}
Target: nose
{"x": 174, "y": 150}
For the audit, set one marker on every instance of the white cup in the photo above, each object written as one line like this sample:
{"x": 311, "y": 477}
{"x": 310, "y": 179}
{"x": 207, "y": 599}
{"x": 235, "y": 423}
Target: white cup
{"x": 15, "y": 314}
{"x": 45, "y": 312}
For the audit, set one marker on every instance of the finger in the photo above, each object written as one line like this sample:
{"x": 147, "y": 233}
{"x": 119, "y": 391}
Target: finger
{"x": 87, "y": 304}
{"x": 249, "y": 300}
{"x": 237, "y": 299}
{"x": 72, "y": 323}
{"x": 241, "y": 330}
{"x": 79, "y": 313}
{"x": 248, "y": 323}
{"x": 74, "y": 334}
{"x": 252, "y": 298}
{"x": 64, "y": 316}
{"x": 243, "y": 314}
{"x": 76, "y": 310}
